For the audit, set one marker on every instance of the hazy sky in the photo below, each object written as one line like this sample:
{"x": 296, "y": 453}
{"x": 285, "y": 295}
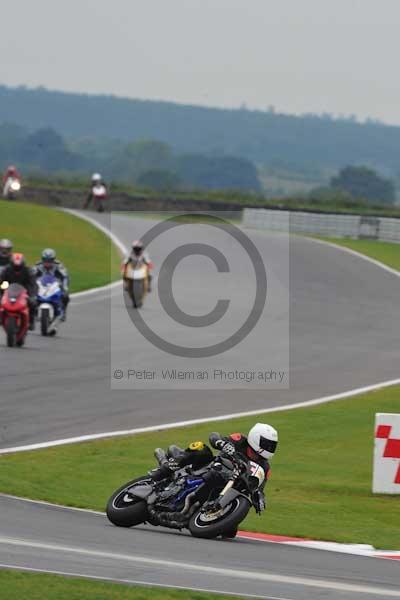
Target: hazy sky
{"x": 339, "y": 56}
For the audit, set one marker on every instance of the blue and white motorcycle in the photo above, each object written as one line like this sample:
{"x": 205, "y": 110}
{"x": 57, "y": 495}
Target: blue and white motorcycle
{"x": 50, "y": 304}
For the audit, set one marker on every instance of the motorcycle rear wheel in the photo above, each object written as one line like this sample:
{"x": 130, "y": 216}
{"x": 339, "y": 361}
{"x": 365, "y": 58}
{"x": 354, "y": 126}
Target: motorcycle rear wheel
{"x": 124, "y": 512}
{"x": 206, "y": 527}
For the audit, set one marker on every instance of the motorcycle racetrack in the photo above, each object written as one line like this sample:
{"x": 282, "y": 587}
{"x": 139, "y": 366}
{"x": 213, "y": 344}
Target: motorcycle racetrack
{"x": 344, "y": 334}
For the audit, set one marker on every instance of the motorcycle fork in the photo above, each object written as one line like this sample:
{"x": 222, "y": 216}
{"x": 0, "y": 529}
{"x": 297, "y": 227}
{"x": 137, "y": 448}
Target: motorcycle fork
{"x": 227, "y": 487}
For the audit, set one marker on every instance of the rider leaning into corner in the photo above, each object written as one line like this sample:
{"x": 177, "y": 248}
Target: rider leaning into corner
{"x": 258, "y": 446}
{"x": 19, "y": 272}
{"x": 138, "y": 253}
{"x": 49, "y": 265}
{"x": 97, "y": 179}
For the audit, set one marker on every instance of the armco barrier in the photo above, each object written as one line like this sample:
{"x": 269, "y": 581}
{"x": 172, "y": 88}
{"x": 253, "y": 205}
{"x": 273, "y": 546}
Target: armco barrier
{"x": 331, "y": 225}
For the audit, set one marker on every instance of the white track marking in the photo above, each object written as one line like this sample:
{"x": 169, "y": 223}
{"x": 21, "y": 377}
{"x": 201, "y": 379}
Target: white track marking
{"x": 52, "y": 505}
{"x": 373, "y": 261}
{"x": 135, "y": 582}
{"x": 365, "y": 550}
{"x": 118, "y": 243}
{"x": 152, "y": 428}
{"x": 205, "y": 569}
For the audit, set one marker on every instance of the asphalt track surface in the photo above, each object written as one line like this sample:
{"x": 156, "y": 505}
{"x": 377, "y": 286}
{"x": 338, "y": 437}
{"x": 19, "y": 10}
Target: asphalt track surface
{"x": 344, "y": 334}
{"x": 58, "y": 539}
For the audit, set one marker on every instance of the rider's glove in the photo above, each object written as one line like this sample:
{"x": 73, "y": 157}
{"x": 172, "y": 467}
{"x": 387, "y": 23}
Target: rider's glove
{"x": 260, "y": 501}
{"x": 226, "y": 447}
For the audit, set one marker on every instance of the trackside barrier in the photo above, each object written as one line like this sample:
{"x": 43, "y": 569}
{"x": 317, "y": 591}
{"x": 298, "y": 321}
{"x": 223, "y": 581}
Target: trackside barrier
{"x": 341, "y": 226}
{"x": 386, "y": 476}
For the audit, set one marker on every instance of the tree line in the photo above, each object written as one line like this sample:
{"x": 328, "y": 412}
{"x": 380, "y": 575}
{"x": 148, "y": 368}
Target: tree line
{"x": 259, "y": 136}
{"x": 145, "y": 163}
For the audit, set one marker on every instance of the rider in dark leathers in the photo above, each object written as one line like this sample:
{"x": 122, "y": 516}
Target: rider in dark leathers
{"x": 5, "y": 253}
{"x": 18, "y": 272}
{"x": 50, "y": 265}
{"x": 235, "y": 443}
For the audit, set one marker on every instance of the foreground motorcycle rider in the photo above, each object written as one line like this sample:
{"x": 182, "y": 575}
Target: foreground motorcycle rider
{"x": 6, "y": 248}
{"x": 49, "y": 265}
{"x": 138, "y": 253}
{"x": 259, "y": 447}
{"x": 18, "y": 272}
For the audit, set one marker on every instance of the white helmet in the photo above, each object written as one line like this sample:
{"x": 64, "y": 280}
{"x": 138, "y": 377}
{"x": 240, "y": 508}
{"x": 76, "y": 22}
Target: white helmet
{"x": 263, "y": 439}
{"x": 96, "y": 178}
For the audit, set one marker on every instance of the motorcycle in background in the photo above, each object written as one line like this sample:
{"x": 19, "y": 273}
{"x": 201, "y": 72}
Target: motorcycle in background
{"x": 136, "y": 281}
{"x": 12, "y": 188}
{"x": 14, "y": 313}
{"x": 99, "y": 193}
{"x": 50, "y": 304}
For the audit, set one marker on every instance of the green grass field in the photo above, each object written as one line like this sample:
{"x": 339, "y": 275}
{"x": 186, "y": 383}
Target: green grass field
{"x": 386, "y": 252}
{"x": 86, "y": 251}
{"x": 320, "y": 486}
{"x": 15, "y": 585}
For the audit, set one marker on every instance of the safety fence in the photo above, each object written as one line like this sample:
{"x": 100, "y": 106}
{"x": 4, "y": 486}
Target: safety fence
{"x": 330, "y": 225}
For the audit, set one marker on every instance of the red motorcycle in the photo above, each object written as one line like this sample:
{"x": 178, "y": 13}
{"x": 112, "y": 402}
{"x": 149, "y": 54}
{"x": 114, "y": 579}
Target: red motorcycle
{"x": 14, "y": 313}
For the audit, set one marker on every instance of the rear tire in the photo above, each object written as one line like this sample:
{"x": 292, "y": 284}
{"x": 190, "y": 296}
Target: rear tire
{"x": 228, "y": 523}
{"x": 44, "y": 321}
{"x": 126, "y": 513}
{"x": 11, "y": 330}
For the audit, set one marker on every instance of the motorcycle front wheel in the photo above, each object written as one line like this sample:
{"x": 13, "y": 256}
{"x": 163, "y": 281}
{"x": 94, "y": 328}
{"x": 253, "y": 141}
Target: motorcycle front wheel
{"x": 11, "y": 330}
{"x": 137, "y": 292}
{"x": 123, "y": 509}
{"x": 211, "y": 524}
{"x": 44, "y": 322}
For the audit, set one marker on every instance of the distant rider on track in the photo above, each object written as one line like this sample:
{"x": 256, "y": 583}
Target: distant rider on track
{"x": 49, "y": 265}
{"x": 138, "y": 253}
{"x": 96, "y": 180}
{"x": 10, "y": 174}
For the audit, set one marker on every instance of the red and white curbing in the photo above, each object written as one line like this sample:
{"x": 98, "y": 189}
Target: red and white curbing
{"x": 357, "y": 549}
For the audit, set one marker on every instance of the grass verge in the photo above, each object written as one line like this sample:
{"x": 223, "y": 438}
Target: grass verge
{"x": 386, "y": 252}
{"x": 15, "y": 585}
{"x": 320, "y": 486}
{"x": 86, "y": 251}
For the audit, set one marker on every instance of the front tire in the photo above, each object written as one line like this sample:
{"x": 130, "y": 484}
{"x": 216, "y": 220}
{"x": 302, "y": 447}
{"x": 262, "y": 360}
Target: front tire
{"x": 138, "y": 292}
{"x": 123, "y": 511}
{"x": 203, "y": 525}
{"x": 44, "y": 321}
{"x": 11, "y": 330}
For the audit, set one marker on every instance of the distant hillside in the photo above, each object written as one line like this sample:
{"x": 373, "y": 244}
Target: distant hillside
{"x": 262, "y": 137}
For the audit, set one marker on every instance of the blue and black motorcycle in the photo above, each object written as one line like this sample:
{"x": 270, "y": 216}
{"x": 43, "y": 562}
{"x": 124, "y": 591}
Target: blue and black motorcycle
{"x": 50, "y": 304}
{"x": 145, "y": 500}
